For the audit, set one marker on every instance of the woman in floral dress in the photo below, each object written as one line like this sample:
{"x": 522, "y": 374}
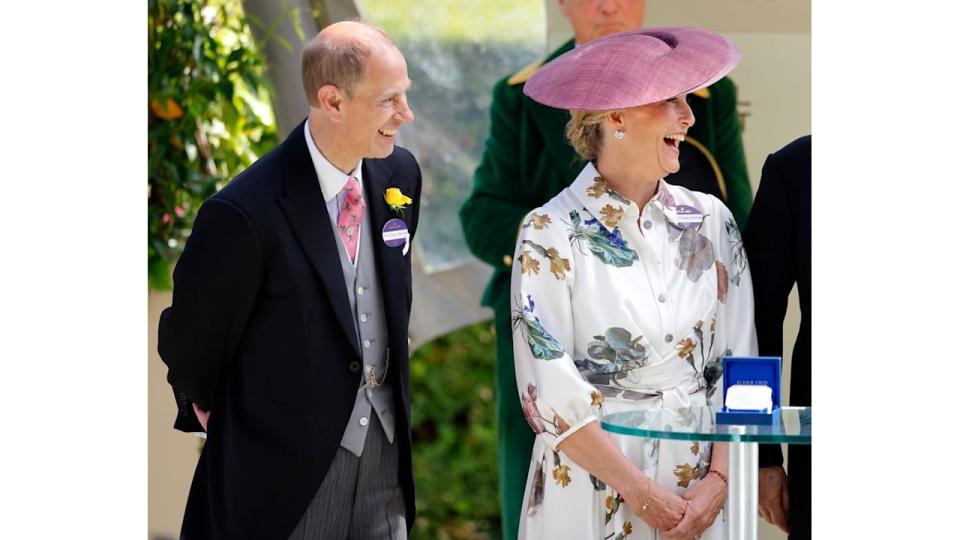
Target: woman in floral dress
{"x": 627, "y": 292}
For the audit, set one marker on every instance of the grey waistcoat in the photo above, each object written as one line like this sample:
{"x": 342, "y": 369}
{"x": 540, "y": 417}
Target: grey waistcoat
{"x": 366, "y": 303}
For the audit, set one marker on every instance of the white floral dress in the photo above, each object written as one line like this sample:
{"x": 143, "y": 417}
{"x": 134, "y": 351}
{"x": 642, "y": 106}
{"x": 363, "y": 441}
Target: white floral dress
{"x": 617, "y": 308}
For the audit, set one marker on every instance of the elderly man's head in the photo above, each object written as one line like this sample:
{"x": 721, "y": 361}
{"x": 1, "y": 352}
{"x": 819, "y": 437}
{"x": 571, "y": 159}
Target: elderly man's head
{"x": 592, "y": 19}
{"x": 356, "y": 83}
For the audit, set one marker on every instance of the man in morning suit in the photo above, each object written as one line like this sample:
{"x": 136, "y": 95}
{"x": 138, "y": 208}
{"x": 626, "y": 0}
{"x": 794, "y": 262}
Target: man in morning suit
{"x": 527, "y": 161}
{"x": 777, "y": 241}
{"x": 287, "y": 337}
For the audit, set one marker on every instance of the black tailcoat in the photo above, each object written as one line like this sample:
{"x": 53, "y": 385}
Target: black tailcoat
{"x": 261, "y": 333}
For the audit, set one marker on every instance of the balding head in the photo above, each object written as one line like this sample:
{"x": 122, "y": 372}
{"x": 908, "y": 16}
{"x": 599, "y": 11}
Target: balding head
{"x": 338, "y": 56}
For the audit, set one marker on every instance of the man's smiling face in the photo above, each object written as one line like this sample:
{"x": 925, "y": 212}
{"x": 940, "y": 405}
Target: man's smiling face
{"x": 378, "y": 106}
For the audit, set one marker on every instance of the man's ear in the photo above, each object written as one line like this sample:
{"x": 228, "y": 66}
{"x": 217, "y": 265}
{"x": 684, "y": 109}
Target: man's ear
{"x": 331, "y": 101}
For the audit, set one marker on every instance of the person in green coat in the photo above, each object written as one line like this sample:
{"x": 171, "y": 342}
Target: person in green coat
{"x": 527, "y": 161}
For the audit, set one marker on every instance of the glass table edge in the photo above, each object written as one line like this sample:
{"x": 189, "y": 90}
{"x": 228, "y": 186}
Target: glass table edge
{"x": 726, "y": 436}
{"x": 714, "y": 437}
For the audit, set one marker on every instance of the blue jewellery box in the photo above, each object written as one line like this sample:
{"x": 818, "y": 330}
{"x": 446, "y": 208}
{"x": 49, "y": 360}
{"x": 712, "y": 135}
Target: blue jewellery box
{"x": 751, "y": 370}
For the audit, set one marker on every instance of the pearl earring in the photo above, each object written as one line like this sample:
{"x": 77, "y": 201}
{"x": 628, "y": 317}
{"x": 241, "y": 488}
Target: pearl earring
{"x": 619, "y": 134}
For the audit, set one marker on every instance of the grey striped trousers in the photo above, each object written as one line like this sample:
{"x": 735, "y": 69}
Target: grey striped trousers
{"x": 360, "y": 498}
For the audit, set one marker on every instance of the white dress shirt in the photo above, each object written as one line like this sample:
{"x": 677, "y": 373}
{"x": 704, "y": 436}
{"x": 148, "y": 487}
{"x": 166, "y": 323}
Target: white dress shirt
{"x": 332, "y": 181}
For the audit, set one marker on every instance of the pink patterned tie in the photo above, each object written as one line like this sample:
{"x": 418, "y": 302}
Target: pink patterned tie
{"x": 351, "y": 214}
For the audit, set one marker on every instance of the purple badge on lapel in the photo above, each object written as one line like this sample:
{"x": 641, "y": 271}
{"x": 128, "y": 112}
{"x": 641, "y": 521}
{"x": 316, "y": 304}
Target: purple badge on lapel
{"x": 395, "y": 234}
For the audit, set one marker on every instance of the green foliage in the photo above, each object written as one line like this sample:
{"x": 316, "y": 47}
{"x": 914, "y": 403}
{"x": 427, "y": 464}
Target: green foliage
{"x": 269, "y": 31}
{"x": 458, "y": 20}
{"x": 209, "y": 115}
{"x": 454, "y": 436}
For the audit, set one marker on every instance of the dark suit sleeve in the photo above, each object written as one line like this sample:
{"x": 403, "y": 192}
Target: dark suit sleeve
{"x": 767, "y": 240}
{"x": 492, "y": 213}
{"x": 729, "y": 149}
{"x": 214, "y": 288}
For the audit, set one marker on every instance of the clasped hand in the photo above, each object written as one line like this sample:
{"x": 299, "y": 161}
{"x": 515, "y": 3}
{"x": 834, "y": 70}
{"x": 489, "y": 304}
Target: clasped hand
{"x": 687, "y": 515}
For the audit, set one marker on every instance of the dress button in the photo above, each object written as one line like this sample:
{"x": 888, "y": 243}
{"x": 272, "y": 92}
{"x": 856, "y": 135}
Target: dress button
{"x": 668, "y": 338}
{"x": 366, "y": 344}
{"x": 662, "y": 298}
{"x": 363, "y": 317}
{"x": 360, "y": 291}
{"x": 364, "y": 421}
{"x": 507, "y": 260}
{"x": 354, "y": 366}
{"x": 647, "y": 224}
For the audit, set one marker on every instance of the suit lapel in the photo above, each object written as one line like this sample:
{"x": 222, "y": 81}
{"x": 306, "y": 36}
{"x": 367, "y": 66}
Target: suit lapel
{"x": 306, "y": 211}
{"x": 377, "y": 177}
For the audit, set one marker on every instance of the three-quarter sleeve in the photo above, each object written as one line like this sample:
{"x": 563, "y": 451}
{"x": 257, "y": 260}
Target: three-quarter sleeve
{"x": 556, "y": 400}
{"x": 736, "y": 294}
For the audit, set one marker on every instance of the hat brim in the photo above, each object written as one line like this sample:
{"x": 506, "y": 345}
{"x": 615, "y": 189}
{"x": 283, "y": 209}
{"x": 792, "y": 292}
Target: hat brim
{"x": 634, "y": 68}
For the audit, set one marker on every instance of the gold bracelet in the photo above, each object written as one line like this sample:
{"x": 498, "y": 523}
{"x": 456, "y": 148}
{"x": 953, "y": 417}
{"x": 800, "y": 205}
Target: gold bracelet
{"x": 646, "y": 502}
{"x": 720, "y": 474}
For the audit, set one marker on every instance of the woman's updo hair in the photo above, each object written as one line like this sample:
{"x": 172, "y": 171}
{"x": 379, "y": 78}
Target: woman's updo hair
{"x": 583, "y": 132}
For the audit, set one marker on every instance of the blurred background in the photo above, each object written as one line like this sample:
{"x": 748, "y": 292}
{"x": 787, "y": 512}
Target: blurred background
{"x": 224, "y": 88}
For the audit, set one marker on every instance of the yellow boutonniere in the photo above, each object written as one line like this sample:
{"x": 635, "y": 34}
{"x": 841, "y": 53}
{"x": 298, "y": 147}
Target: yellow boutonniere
{"x": 396, "y": 199}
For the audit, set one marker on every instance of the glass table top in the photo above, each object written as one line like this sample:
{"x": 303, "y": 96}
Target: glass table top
{"x": 698, "y": 424}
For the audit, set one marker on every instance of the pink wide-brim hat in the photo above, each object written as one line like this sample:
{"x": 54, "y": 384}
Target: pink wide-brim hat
{"x": 633, "y": 68}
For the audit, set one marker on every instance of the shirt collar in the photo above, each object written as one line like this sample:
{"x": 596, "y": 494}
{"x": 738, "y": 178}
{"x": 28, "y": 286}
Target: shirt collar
{"x": 596, "y": 195}
{"x": 331, "y": 178}
{"x": 663, "y": 199}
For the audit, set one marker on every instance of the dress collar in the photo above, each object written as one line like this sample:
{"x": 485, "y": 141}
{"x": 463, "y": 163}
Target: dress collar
{"x": 609, "y": 206}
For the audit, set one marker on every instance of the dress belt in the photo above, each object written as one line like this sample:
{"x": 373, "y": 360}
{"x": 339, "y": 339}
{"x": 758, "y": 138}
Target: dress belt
{"x": 672, "y": 384}
{"x": 655, "y": 379}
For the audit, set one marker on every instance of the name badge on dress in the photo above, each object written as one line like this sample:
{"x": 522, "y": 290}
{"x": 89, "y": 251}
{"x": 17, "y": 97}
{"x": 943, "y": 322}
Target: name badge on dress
{"x": 684, "y": 217}
{"x": 395, "y": 234}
